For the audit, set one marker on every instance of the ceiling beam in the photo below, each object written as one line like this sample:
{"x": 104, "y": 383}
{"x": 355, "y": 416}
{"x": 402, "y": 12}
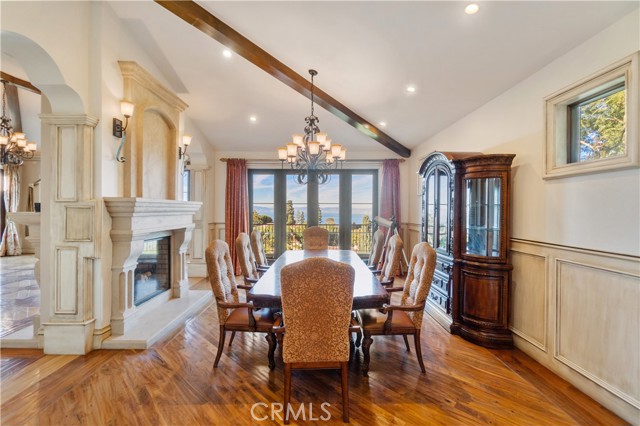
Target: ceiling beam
{"x": 200, "y": 18}
{"x": 19, "y": 82}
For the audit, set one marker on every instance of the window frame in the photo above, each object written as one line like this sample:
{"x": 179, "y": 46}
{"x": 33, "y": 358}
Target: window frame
{"x": 558, "y": 120}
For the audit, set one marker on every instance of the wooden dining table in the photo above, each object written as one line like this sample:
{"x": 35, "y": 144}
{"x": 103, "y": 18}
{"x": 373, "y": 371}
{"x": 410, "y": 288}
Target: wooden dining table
{"x": 367, "y": 291}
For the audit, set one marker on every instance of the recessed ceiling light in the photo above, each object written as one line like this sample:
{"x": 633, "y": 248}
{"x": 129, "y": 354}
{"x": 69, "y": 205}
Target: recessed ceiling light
{"x": 226, "y": 53}
{"x": 253, "y": 118}
{"x": 383, "y": 124}
{"x": 411, "y": 89}
{"x": 471, "y": 9}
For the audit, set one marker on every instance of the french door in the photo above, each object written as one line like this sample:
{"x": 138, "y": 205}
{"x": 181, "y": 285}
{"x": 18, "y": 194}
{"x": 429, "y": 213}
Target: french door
{"x": 281, "y": 208}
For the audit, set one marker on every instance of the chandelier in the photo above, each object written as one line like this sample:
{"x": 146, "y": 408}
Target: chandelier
{"x": 14, "y": 148}
{"x": 312, "y": 155}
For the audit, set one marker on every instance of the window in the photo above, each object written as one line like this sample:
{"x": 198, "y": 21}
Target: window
{"x": 592, "y": 126}
{"x": 282, "y": 209}
{"x": 186, "y": 185}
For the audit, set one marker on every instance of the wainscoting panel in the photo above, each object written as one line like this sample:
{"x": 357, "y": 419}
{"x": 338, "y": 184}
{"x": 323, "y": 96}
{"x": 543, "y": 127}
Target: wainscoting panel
{"x": 577, "y": 312}
{"x": 66, "y": 164}
{"x": 528, "y": 318}
{"x": 583, "y": 290}
{"x": 66, "y": 280}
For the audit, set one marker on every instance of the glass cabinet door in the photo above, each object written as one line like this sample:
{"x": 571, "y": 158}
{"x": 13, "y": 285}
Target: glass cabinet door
{"x": 482, "y": 216}
{"x": 437, "y": 209}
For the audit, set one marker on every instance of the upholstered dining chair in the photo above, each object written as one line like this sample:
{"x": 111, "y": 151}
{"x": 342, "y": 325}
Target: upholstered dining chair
{"x": 234, "y": 315}
{"x": 392, "y": 260}
{"x": 406, "y": 318}
{"x": 246, "y": 259}
{"x": 315, "y": 238}
{"x": 262, "y": 264}
{"x": 316, "y": 335}
{"x": 377, "y": 244}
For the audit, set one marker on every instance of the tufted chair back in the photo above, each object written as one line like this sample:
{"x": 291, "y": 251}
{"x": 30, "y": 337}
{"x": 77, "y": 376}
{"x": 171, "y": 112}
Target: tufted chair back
{"x": 392, "y": 258}
{"x": 245, "y": 256}
{"x": 315, "y": 238}
{"x": 221, "y": 277}
{"x": 418, "y": 282}
{"x": 258, "y": 250}
{"x": 317, "y": 326}
{"x": 377, "y": 244}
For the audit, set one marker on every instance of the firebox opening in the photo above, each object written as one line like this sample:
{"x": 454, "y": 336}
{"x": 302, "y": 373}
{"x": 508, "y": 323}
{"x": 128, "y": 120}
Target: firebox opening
{"x": 152, "y": 275}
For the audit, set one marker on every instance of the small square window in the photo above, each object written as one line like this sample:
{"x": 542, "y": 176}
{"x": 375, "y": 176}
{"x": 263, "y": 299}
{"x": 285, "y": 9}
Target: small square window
{"x": 592, "y": 126}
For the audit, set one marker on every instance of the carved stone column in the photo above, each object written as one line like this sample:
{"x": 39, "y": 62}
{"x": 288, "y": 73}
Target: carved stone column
{"x": 70, "y": 232}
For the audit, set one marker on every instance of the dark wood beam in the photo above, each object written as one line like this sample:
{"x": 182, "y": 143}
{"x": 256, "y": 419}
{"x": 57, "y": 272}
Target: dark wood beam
{"x": 19, "y": 82}
{"x": 200, "y": 18}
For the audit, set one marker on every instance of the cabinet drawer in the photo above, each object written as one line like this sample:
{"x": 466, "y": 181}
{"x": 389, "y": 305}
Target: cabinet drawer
{"x": 440, "y": 282}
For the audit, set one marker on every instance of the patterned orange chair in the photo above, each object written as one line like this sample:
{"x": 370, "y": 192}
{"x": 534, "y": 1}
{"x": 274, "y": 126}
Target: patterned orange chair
{"x": 392, "y": 260}
{"x": 406, "y": 318}
{"x": 315, "y": 238}
{"x": 316, "y": 335}
{"x": 232, "y": 314}
{"x": 246, "y": 259}
{"x": 377, "y": 244}
{"x": 262, "y": 264}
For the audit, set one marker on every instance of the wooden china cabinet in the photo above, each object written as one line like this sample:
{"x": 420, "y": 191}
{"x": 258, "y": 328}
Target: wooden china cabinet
{"x": 466, "y": 218}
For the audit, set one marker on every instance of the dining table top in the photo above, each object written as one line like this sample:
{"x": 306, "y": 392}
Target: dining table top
{"x": 368, "y": 293}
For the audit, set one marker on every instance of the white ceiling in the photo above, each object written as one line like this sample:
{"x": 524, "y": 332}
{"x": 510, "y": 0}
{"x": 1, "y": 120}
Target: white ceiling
{"x": 366, "y": 53}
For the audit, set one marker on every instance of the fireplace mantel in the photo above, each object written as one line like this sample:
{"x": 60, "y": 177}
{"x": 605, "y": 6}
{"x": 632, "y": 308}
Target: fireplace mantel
{"x": 133, "y": 221}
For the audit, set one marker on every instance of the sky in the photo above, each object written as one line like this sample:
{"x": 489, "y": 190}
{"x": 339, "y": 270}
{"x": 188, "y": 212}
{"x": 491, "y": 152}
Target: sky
{"x": 328, "y": 194}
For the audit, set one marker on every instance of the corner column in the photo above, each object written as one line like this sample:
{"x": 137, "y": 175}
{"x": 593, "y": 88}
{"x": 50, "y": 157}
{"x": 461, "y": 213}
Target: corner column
{"x": 69, "y": 232}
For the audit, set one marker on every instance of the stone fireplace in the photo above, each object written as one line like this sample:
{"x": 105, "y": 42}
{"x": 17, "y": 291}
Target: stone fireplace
{"x": 141, "y": 228}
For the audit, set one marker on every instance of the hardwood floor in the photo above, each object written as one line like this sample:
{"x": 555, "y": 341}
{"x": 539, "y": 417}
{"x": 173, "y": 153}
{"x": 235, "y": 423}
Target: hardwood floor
{"x": 174, "y": 383}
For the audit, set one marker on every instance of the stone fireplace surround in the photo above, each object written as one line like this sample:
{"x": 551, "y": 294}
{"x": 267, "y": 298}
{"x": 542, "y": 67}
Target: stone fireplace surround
{"x": 133, "y": 221}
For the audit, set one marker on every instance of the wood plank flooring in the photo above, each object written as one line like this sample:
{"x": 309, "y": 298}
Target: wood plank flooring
{"x": 174, "y": 384}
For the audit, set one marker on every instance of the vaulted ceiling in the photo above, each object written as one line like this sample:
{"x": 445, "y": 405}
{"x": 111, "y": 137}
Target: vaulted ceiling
{"x": 366, "y": 53}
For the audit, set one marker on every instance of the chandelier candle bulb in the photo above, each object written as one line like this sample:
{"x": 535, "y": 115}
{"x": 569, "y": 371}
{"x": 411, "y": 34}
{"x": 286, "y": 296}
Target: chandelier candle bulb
{"x": 343, "y": 154}
{"x": 32, "y": 146}
{"x": 297, "y": 139}
{"x": 327, "y": 146}
{"x": 321, "y": 138}
{"x": 314, "y": 148}
{"x": 4, "y": 140}
{"x": 292, "y": 150}
{"x": 282, "y": 154}
{"x": 336, "y": 149}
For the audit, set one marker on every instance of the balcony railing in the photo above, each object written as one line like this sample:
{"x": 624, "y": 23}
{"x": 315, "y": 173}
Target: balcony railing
{"x": 360, "y": 237}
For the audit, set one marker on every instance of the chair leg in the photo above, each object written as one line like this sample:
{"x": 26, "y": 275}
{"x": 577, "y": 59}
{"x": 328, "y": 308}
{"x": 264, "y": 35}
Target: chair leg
{"x": 358, "y": 338}
{"x": 406, "y": 342}
{"x": 416, "y": 340}
{"x": 365, "y": 351}
{"x": 223, "y": 334}
{"x": 287, "y": 391}
{"x": 233, "y": 334}
{"x": 345, "y": 392}
{"x": 271, "y": 338}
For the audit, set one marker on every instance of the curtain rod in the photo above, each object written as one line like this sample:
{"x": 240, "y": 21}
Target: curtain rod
{"x": 275, "y": 160}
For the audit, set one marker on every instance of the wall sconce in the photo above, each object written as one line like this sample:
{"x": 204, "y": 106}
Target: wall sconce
{"x": 118, "y": 130}
{"x": 186, "y": 141}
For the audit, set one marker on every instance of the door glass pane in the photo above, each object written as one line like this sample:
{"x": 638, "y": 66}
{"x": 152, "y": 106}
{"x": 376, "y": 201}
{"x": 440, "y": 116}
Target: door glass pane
{"x": 431, "y": 200}
{"x": 263, "y": 214}
{"x": 482, "y": 216}
{"x": 329, "y": 209}
{"x": 443, "y": 210}
{"x": 296, "y": 211}
{"x": 361, "y": 213}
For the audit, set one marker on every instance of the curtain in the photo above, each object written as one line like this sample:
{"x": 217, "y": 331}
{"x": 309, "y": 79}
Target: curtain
{"x": 390, "y": 203}
{"x": 10, "y": 245}
{"x": 236, "y": 206}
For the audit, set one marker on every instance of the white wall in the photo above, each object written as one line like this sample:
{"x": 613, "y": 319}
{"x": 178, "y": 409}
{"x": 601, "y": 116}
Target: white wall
{"x": 598, "y": 211}
{"x": 573, "y": 310}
